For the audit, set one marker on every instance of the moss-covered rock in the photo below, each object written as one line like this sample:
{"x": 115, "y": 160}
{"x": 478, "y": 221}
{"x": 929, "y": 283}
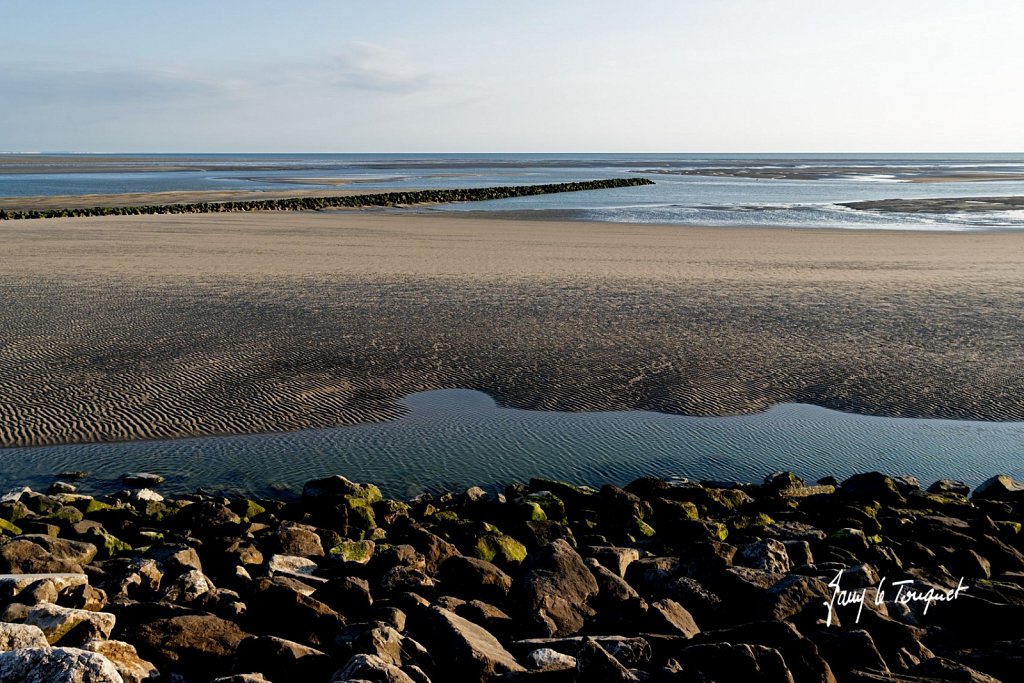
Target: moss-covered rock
{"x": 571, "y": 495}
{"x": 726, "y": 500}
{"x": 388, "y": 510}
{"x": 90, "y": 505}
{"x": 1008, "y": 528}
{"x": 13, "y": 510}
{"x": 64, "y": 515}
{"x": 641, "y": 529}
{"x": 499, "y": 547}
{"x": 759, "y": 519}
{"x": 552, "y": 505}
{"x": 531, "y": 511}
{"x": 353, "y": 551}
{"x": 9, "y": 528}
{"x": 247, "y": 508}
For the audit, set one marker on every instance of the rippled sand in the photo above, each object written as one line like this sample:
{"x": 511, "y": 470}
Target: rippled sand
{"x": 134, "y": 327}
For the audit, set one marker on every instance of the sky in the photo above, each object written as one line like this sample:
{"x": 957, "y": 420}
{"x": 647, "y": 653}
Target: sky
{"x": 524, "y": 76}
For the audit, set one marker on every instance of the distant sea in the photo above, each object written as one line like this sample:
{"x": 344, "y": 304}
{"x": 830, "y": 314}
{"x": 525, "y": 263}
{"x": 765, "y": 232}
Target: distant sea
{"x": 800, "y": 191}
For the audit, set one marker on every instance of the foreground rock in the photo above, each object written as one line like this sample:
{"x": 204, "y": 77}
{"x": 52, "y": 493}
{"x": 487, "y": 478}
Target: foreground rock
{"x": 56, "y": 665}
{"x": 662, "y": 581}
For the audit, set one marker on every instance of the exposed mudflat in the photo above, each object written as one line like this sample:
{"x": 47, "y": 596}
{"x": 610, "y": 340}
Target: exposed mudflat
{"x": 159, "y": 326}
{"x": 942, "y": 205}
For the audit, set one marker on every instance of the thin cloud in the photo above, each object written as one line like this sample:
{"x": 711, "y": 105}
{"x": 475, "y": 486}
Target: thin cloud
{"x": 380, "y": 69}
{"x": 47, "y": 83}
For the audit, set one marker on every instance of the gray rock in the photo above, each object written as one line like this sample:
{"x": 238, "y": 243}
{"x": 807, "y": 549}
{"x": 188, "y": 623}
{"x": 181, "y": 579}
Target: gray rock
{"x": 16, "y": 636}
{"x": 301, "y": 568}
{"x": 142, "y": 480}
{"x": 799, "y": 553}
{"x": 41, "y": 554}
{"x": 370, "y": 668}
{"x": 547, "y": 659}
{"x": 473, "y": 652}
{"x": 301, "y": 540}
{"x": 56, "y": 665}
{"x": 37, "y": 592}
{"x": 629, "y": 651}
{"x": 12, "y": 585}
{"x": 793, "y": 594}
{"x": 947, "y": 486}
{"x": 472, "y": 578}
{"x": 435, "y": 550}
{"x": 999, "y": 487}
{"x": 669, "y": 617}
{"x": 382, "y": 641}
{"x": 553, "y": 590}
{"x": 615, "y": 559}
{"x": 58, "y": 623}
{"x": 196, "y": 644}
{"x": 188, "y": 587}
{"x": 241, "y": 678}
{"x": 769, "y": 555}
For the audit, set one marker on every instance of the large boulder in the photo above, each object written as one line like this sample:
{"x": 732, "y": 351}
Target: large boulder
{"x": 472, "y": 578}
{"x": 473, "y": 654}
{"x": 56, "y": 665}
{"x": 552, "y": 591}
{"x": 277, "y": 607}
{"x": 999, "y": 487}
{"x": 190, "y": 644}
{"x": 298, "y": 539}
{"x": 70, "y": 626}
{"x": 40, "y": 554}
{"x": 283, "y": 660}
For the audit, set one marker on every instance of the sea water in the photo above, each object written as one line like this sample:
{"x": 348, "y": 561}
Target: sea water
{"x": 454, "y": 438}
{"x": 674, "y": 199}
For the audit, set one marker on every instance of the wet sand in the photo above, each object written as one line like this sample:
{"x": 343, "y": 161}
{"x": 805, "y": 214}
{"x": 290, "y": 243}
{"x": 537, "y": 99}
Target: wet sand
{"x": 941, "y": 205}
{"x": 155, "y": 326}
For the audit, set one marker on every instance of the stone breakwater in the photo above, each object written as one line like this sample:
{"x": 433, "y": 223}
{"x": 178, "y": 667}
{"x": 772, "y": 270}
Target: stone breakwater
{"x": 356, "y": 201}
{"x": 663, "y": 580}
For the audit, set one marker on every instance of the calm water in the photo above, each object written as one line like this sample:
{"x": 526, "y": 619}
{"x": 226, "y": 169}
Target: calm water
{"x": 454, "y": 438}
{"x": 679, "y": 199}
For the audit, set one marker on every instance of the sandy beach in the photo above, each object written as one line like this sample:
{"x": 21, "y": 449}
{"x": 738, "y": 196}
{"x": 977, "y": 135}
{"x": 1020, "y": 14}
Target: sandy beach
{"x": 162, "y": 326}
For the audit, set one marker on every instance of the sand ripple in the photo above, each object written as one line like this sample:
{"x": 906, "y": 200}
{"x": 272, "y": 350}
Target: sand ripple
{"x": 87, "y": 360}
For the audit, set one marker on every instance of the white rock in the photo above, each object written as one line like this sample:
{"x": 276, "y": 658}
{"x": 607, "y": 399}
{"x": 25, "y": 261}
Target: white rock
{"x": 292, "y": 565}
{"x": 15, "y": 583}
{"x": 14, "y": 495}
{"x": 56, "y": 665}
{"x": 145, "y": 495}
{"x": 549, "y": 660}
{"x": 17, "y": 636}
{"x": 188, "y": 587}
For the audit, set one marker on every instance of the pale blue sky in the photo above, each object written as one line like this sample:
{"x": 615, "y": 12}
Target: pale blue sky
{"x": 416, "y": 76}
